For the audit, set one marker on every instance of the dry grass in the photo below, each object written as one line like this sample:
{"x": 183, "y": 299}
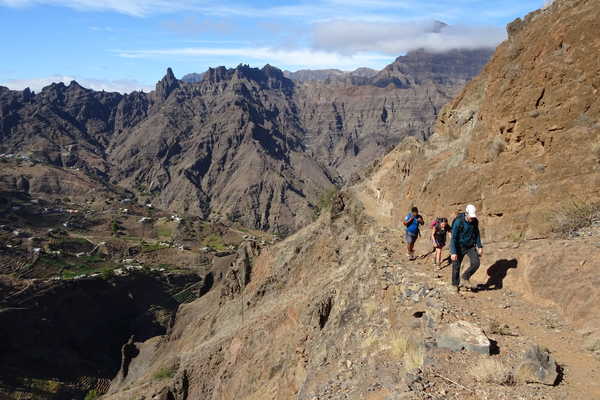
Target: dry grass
{"x": 371, "y": 307}
{"x": 576, "y": 216}
{"x": 369, "y": 342}
{"x": 398, "y": 345}
{"x": 489, "y": 370}
{"x": 415, "y": 354}
{"x": 495, "y": 328}
{"x": 165, "y": 373}
{"x": 410, "y": 349}
{"x": 496, "y": 147}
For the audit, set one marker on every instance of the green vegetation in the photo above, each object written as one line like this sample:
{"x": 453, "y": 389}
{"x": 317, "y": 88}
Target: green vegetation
{"x": 325, "y": 202}
{"x": 92, "y": 395}
{"x": 71, "y": 244}
{"x": 42, "y": 387}
{"x": 164, "y": 230}
{"x": 214, "y": 241}
{"x": 150, "y": 247}
{"x": 115, "y": 227}
{"x": 575, "y": 216}
{"x": 165, "y": 373}
{"x": 108, "y": 274}
{"x": 72, "y": 266}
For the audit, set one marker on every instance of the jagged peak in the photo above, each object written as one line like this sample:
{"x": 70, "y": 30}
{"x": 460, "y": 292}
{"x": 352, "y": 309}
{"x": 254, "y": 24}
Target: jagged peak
{"x": 272, "y": 71}
{"x": 74, "y": 85}
{"x": 268, "y": 75}
{"x": 166, "y": 85}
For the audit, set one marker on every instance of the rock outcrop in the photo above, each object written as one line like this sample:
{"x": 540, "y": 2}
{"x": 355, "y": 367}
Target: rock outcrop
{"x": 538, "y": 366}
{"x": 464, "y": 335}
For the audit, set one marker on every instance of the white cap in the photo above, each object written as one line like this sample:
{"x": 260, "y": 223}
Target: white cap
{"x": 471, "y": 211}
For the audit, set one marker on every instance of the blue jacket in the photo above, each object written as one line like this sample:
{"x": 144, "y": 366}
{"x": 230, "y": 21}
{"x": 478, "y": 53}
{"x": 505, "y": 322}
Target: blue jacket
{"x": 413, "y": 227}
{"x": 465, "y": 235}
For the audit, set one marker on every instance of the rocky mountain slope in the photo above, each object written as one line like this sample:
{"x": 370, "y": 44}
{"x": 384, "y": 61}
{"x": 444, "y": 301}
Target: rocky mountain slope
{"x": 333, "y": 312}
{"x": 355, "y": 120}
{"x": 193, "y": 77}
{"x": 241, "y": 144}
{"x": 307, "y": 75}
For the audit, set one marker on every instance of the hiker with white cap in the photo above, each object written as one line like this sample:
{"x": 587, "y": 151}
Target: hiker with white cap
{"x": 466, "y": 241}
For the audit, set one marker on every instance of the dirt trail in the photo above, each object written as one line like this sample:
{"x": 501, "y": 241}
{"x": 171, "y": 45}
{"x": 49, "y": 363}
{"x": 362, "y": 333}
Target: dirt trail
{"x": 528, "y": 321}
{"x": 371, "y": 194}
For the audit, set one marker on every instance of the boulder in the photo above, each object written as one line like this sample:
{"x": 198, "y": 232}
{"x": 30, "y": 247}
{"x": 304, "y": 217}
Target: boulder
{"x": 538, "y": 366}
{"x": 464, "y": 335}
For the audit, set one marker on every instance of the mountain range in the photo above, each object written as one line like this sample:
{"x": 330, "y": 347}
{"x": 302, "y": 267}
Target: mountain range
{"x": 258, "y": 146}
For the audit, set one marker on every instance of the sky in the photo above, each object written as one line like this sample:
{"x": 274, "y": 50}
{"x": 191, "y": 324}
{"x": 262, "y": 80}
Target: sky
{"x": 126, "y": 45}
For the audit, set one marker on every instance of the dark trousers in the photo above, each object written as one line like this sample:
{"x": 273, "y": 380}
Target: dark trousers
{"x": 473, "y": 257}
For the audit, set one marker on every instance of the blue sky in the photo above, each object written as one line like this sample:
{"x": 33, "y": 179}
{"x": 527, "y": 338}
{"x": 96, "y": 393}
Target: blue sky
{"x": 125, "y": 45}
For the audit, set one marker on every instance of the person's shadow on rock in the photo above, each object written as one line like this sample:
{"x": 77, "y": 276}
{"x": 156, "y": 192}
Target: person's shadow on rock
{"x": 497, "y": 272}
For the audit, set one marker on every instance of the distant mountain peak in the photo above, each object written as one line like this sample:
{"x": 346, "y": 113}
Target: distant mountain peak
{"x": 438, "y": 26}
{"x": 166, "y": 85}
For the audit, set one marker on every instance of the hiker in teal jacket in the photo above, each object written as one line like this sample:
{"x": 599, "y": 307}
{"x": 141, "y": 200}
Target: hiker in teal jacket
{"x": 466, "y": 241}
{"x": 412, "y": 222}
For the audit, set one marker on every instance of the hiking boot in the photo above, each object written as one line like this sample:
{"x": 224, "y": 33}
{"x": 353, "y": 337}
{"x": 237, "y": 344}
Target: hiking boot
{"x": 467, "y": 284}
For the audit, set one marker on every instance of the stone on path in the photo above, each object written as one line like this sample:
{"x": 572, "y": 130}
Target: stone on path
{"x": 464, "y": 335}
{"x": 538, "y": 366}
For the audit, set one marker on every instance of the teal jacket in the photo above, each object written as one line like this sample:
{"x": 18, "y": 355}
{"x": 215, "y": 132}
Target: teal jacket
{"x": 465, "y": 235}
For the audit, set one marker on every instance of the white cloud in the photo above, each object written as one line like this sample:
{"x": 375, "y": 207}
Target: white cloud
{"x": 309, "y": 10}
{"x": 286, "y": 58}
{"x": 131, "y": 7}
{"x": 351, "y": 37}
{"x": 37, "y": 84}
{"x": 140, "y": 8}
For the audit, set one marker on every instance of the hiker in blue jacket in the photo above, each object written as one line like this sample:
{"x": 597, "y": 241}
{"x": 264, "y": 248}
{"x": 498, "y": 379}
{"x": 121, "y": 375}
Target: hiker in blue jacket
{"x": 412, "y": 222}
{"x": 466, "y": 241}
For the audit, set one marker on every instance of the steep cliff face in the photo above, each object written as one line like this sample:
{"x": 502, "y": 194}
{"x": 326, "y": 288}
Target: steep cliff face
{"x": 354, "y": 120}
{"x": 308, "y": 75}
{"x": 64, "y": 125}
{"x": 231, "y": 145}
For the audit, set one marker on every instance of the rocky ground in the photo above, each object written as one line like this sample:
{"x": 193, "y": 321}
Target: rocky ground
{"x": 337, "y": 312}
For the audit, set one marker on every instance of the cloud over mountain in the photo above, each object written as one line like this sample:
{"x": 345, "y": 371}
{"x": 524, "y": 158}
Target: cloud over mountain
{"x": 393, "y": 38}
